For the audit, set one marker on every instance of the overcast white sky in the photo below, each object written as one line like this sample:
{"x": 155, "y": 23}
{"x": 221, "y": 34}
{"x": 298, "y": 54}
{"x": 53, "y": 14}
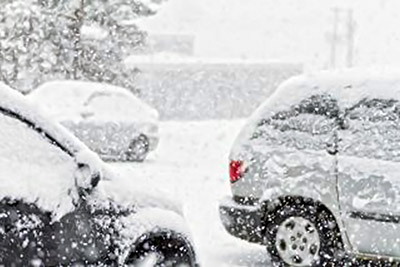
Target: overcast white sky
{"x": 289, "y": 30}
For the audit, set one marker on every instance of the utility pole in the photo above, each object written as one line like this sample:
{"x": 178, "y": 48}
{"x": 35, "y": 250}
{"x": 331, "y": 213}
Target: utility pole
{"x": 334, "y": 37}
{"x": 350, "y": 38}
{"x": 342, "y": 38}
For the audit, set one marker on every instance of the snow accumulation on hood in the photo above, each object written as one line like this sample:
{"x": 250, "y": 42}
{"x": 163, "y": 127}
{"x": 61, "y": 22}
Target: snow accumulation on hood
{"x": 78, "y": 100}
{"x": 348, "y": 87}
{"x": 142, "y": 195}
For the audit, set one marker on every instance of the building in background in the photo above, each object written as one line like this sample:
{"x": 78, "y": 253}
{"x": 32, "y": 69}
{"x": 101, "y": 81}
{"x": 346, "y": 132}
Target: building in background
{"x": 186, "y": 88}
{"x": 182, "y": 86}
{"x": 182, "y": 44}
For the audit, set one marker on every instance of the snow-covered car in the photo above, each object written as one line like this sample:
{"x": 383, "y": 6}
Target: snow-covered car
{"x": 60, "y": 205}
{"x": 110, "y": 120}
{"x": 315, "y": 173}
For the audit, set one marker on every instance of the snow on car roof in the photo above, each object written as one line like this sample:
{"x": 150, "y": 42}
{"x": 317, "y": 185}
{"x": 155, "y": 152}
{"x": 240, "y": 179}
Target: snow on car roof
{"x": 69, "y": 99}
{"x": 11, "y": 100}
{"x": 347, "y": 86}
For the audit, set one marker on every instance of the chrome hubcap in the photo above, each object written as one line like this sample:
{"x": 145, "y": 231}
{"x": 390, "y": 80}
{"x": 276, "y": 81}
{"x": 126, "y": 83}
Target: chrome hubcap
{"x": 297, "y": 242}
{"x": 151, "y": 259}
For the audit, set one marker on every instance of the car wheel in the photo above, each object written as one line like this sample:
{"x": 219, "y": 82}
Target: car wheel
{"x": 302, "y": 236}
{"x": 162, "y": 250}
{"x": 138, "y": 148}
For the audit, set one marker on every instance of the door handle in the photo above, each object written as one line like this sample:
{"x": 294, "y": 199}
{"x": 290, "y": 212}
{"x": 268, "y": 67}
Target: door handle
{"x": 331, "y": 148}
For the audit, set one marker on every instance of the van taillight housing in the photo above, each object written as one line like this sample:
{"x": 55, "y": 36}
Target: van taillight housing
{"x": 236, "y": 170}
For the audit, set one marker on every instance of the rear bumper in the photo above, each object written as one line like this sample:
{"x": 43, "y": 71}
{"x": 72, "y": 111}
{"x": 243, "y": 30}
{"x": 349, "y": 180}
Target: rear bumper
{"x": 242, "y": 221}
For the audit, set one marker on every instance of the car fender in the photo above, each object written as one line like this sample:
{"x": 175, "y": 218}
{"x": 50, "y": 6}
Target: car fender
{"x": 148, "y": 221}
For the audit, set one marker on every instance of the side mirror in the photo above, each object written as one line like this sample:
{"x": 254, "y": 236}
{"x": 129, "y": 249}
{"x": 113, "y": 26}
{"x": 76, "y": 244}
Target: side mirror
{"x": 87, "y": 174}
{"x": 85, "y": 177}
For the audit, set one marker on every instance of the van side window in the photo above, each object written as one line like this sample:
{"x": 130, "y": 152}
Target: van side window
{"x": 323, "y": 105}
{"x": 300, "y": 116}
{"x": 374, "y": 130}
{"x": 375, "y": 110}
{"x": 306, "y": 125}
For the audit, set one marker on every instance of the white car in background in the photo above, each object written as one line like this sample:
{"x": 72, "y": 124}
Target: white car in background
{"x": 110, "y": 120}
{"x": 315, "y": 173}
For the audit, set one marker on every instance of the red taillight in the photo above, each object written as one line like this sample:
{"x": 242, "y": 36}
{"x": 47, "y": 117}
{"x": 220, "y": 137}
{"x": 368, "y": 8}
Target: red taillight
{"x": 236, "y": 170}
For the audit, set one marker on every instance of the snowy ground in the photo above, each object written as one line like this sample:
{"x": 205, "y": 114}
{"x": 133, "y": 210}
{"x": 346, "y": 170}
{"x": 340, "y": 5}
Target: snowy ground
{"x": 191, "y": 164}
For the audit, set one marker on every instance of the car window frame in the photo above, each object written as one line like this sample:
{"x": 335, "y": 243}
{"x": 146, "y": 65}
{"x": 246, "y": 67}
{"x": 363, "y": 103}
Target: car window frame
{"x": 99, "y": 94}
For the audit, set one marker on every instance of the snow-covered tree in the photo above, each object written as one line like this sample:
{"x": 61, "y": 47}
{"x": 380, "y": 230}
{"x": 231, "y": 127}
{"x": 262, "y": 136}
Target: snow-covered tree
{"x": 69, "y": 39}
{"x": 26, "y": 43}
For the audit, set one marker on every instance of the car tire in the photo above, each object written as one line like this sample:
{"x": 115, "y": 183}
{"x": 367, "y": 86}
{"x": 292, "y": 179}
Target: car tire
{"x": 138, "y": 148}
{"x": 162, "y": 250}
{"x": 303, "y": 235}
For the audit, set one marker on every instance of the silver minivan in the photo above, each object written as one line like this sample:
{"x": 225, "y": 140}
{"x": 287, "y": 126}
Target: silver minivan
{"x": 315, "y": 173}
